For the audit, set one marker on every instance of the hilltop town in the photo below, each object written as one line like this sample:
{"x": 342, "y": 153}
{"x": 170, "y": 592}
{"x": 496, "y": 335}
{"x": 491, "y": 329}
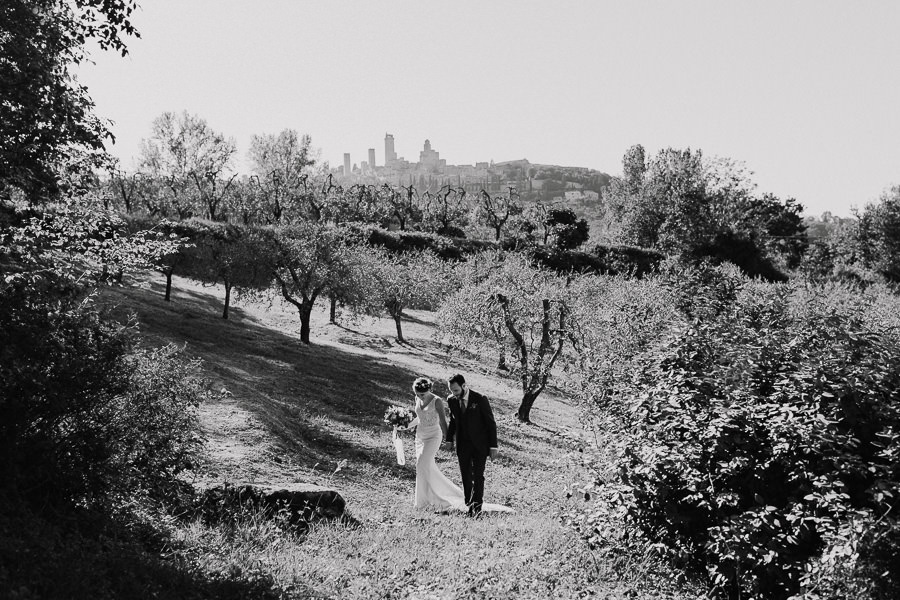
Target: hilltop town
{"x": 534, "y": 182}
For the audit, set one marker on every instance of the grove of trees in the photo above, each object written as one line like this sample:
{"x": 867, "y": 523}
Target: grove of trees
{"x": 747, "y": 374}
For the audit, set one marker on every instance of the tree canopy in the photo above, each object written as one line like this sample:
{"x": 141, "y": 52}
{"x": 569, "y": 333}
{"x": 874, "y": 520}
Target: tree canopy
{"x": 48, "y": 129}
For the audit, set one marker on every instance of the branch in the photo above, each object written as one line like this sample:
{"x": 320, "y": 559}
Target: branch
{"x": 503, "y": 301}
{"x": 284, "y": 291}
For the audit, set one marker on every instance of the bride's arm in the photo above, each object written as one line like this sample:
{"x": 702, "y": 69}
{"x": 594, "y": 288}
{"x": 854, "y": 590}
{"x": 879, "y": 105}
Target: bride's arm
{"x": 442, "y": 416}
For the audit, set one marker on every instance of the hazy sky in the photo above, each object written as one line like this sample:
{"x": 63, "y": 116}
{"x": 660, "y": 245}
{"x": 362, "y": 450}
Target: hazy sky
{"x": 807, "y": 94}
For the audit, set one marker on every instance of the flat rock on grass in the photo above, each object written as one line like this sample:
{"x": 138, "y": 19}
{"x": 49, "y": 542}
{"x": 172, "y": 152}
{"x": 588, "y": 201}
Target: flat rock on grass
{"x": 298, "y": 503}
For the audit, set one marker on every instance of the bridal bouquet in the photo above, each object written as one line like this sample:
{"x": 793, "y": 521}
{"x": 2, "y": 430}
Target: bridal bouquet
{"x": 397, "y": 416}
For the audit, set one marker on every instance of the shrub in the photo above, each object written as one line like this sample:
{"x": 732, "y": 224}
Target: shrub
{"x": 764, "y": 441}
{"x": 447, "y": 248}
{"x": 739, "y": 250}
{"x": 605, "y": 260}
{"x": 83, "y": 416}
{"x": 628, "y": 259}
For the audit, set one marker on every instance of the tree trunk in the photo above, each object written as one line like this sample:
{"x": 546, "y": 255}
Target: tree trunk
{"x": 332, "y": 317}
{"x": 399, "y": 329}
{"x": 305, "y": 315}
{"x": 501, "y": 362}
{"x": 227, "y": 299}
{"x": 169, "y": 285}
{"x": 524, "y": 412}
{"x": 497, "y": 231}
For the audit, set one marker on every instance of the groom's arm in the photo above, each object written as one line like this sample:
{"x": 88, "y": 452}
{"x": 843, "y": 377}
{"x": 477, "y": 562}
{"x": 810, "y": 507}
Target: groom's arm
{"x": 489, "y": 422}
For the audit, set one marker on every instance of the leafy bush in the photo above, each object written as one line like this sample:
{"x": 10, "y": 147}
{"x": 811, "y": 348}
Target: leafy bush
{"x": 742, "y": 251}
{"x": 603, "y": 260}
{"x": 566, "y": 229}
{"x": 83, "y": 416}
{"x": 764, "y": 441}
{"x": 627, "y": 259}
{"x": 447, "y": 248}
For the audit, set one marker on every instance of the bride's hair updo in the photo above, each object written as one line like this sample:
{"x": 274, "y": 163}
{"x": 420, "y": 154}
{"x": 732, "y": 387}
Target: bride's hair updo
{"x": 422, "y": 384}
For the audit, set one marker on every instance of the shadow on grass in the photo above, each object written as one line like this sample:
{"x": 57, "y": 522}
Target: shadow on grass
{"x": 318, "y": 400}
{"x": 87, "y": 555}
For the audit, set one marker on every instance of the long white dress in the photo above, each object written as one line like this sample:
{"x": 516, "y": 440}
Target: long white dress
{"x": 433, "y": 489}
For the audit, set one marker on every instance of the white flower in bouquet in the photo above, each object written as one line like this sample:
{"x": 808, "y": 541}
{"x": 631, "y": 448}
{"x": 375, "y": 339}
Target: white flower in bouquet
{"x": 398, "y": 416}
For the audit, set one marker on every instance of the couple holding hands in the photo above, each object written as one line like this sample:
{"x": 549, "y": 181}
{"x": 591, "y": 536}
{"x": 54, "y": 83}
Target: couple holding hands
{"x": 471, "y": 430}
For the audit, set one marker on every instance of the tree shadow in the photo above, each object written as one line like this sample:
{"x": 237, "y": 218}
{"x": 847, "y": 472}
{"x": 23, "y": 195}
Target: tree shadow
{"x": 319, "y": 401}
{"x": 408, "y": 318}
{"x": 80, "y": 554}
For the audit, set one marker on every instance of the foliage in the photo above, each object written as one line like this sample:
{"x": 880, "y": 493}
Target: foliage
{"x": 308, "y": 260}
{"x": 280, "y": 164}
{"x": 615, "y": 318}
{"x": 180, "y": 254}
{"x": 446, "y": 211}
{"x": 664, "y": 201}
{"x": 878, "y": 236}
{"x": 47, "y": 125}
{"x": 739, "y": 250}
{"x": 396, "y": 282}
{"x": 511, "y": 303}
{"x": 189, "y": 160}
{"x": 83, "y": 417}
{"x": 627, "y": 259}
{"x": 228, "y": 254}
{"x": 361, "y": 203}
{"x": 566, "y": 229}
{"x": 403, "y": 205}
{"x": 689, "y": 205}
{"x": 404, "y": 241}
{"x": 496, "y": 211}
{"x": 125, "y": 191}
{"x": 764, "y": 440}
{"x": 779, "y": 226}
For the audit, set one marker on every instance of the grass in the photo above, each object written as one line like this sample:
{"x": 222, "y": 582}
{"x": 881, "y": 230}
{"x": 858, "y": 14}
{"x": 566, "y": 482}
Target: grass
{"x": 295, "y": 413}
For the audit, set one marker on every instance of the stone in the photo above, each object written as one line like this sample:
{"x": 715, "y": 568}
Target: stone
{"x": 299, "y": 504}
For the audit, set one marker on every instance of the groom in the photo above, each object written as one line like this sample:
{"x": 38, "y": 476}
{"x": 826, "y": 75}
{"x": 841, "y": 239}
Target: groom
{"x": 474, "y": 430}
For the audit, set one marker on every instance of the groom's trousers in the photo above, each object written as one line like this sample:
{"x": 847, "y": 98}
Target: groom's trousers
{"x": 471, "y": 467}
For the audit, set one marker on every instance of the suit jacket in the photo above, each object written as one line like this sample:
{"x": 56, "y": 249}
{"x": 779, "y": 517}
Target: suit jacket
{"x": 476, "y": 429}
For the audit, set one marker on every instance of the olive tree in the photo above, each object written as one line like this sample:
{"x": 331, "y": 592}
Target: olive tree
{"x": 308, "y": 260}
{"x": 529, "y": 305}
{"x": 413, "y": 279}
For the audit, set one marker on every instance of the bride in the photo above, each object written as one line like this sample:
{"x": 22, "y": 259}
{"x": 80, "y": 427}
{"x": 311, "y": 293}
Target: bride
{"x": 433, "y": 489}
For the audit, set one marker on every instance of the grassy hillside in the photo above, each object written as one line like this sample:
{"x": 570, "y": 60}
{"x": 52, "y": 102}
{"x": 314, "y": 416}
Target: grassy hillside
{"x": 313, "y": 414}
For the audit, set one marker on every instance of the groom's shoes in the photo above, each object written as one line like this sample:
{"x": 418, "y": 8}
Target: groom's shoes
{"x": 475, "y": 510}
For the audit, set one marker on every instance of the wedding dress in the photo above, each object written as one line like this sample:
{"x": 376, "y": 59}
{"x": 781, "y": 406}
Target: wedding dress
{"x": 433, "y": 489}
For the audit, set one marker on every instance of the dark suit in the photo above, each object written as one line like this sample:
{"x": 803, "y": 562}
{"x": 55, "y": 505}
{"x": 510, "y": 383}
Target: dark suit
{"x": 474, "y": 433}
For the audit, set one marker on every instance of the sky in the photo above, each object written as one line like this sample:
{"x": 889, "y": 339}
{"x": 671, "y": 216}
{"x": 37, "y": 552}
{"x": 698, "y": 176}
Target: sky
{"x": 805, "y": 93}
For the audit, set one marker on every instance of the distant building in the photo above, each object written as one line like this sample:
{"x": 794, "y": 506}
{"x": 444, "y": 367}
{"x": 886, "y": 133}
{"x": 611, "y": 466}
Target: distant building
{"x": 430, "y": 159}
{"x": 390, "y": 156}
{"x": 363, "y": 166}
{"x": 347, "y": 169}
{"x": 591, "y": 195}
{"x": 372, "y": 157}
